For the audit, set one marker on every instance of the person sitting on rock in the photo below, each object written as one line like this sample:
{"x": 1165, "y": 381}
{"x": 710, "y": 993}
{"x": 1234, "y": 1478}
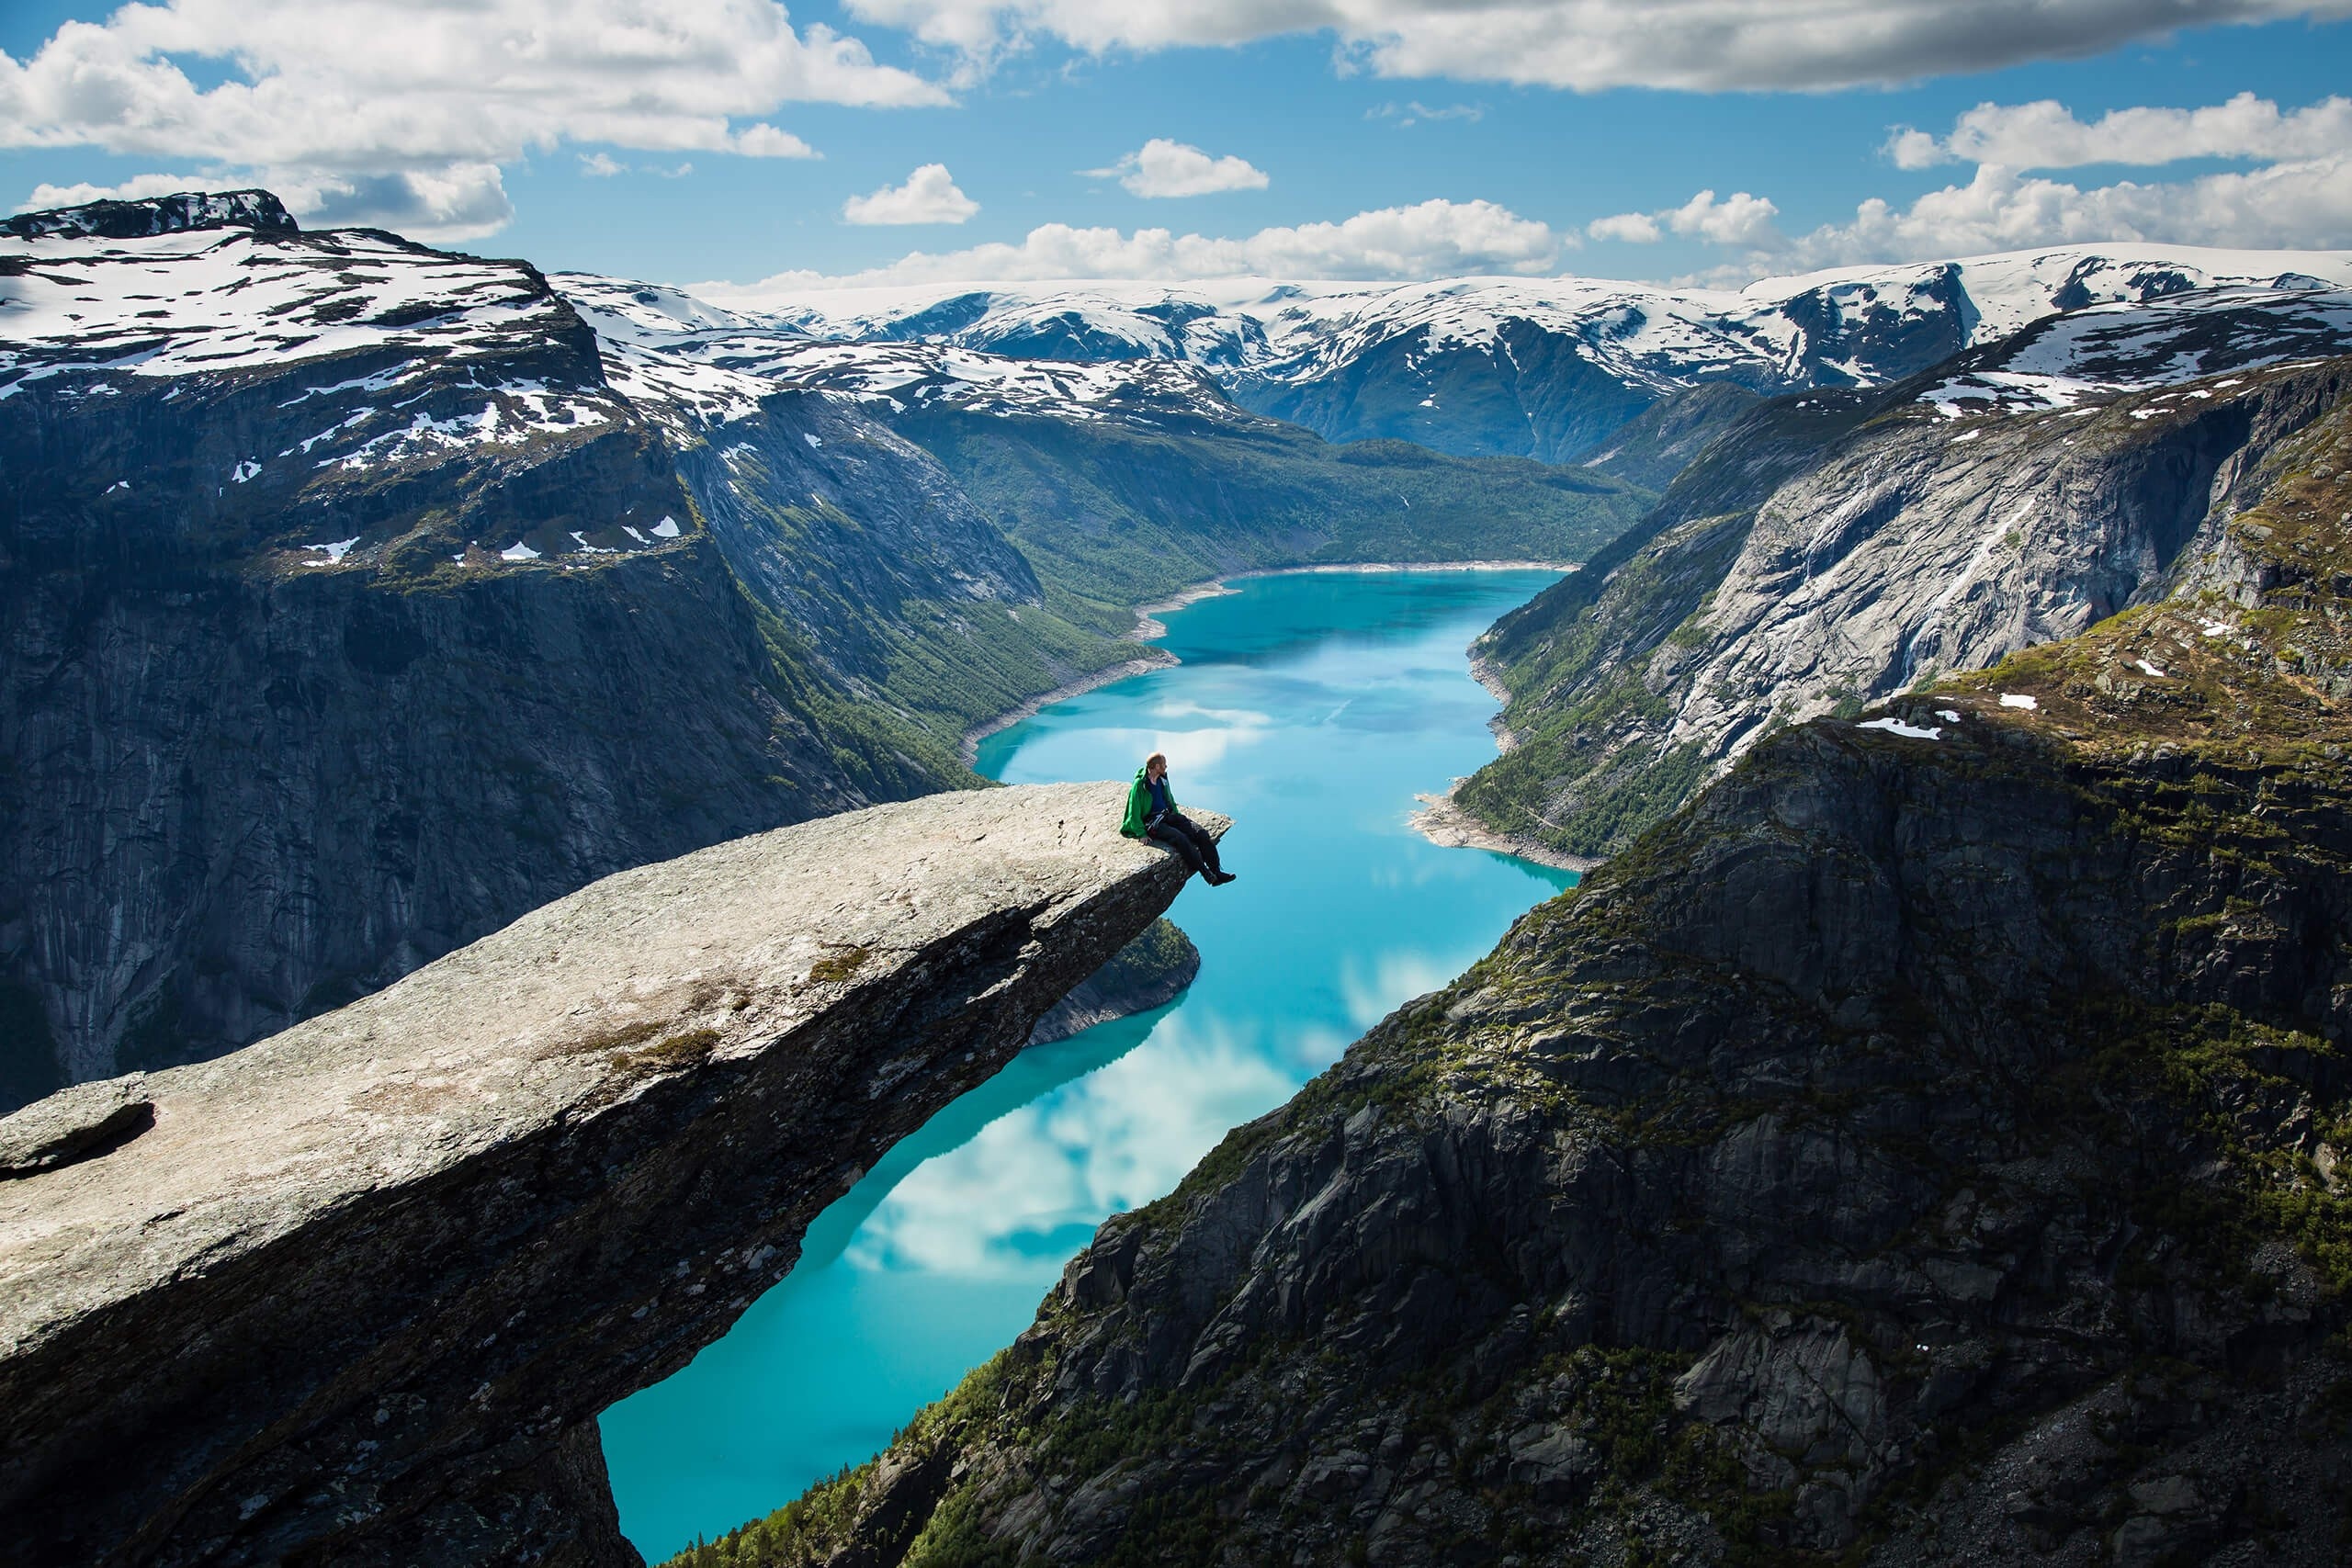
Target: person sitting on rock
{"x": 1152, "y": 814}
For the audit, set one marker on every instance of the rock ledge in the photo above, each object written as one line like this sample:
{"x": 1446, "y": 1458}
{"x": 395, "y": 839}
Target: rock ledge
{"x": 358, "y": 1292}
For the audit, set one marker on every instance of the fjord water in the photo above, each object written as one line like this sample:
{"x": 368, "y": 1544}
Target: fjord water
{"x": 1311, "y": 707}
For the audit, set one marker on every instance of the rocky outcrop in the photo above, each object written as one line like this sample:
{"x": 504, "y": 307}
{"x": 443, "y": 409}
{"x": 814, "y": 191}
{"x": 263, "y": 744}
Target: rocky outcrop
{"x": 256, "y": 209}
{"x": 353, "y": 610}
{"x": 1927, "y": 1144}
{"x": 1149, "y": 972}
{"x": 1834, "y": 550}
{"x": 358, "y": 1292}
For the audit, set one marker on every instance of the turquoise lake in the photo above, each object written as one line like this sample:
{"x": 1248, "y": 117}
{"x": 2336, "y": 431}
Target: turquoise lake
{"x": 1311, "y": 707}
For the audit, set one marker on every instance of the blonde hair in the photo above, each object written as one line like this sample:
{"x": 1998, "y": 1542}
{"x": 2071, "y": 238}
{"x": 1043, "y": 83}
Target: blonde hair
{"x": 1159, "y": 757}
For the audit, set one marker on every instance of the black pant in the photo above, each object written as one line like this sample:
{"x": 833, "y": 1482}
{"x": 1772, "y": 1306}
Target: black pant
{"x": 1188, "y": 838}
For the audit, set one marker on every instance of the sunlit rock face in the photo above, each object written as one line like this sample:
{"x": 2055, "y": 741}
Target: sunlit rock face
{"x": 1834, "y": 548}
{"x": 356, "y": 1293}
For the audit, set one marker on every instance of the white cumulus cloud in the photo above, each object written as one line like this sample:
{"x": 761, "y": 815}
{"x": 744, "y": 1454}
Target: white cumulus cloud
{"x": 1631, "y": 227}
{"x": 2046, "y": 135}
{"x": 930, "y": 196}
{"x": 2305, "y": 205}
{"x": 1163, "y": 168}
{"x": 767, "y": 141}
{"x": 1594, "y": 44}
{"x": 1407, "y": 115}
{"x": 137, "y": 189}
{"x": 1433, "y": 239}
{"x": 1739, "y": 220}
{"x": 2299, "y": 196}
{"x": 405, "y": 113}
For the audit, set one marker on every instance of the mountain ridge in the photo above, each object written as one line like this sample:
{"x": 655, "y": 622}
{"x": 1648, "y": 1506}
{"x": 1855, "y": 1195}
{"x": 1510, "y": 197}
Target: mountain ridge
{"x": 1829, "y": 549}
{"x": 1510, "y": 364}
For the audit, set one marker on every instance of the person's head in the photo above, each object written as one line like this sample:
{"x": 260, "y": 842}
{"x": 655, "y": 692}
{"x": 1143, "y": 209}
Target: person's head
{"x": 1156, "y": 765}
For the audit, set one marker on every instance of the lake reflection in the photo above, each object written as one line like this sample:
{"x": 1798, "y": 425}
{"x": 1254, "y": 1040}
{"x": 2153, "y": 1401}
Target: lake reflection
{"x": 1312, "y": 708}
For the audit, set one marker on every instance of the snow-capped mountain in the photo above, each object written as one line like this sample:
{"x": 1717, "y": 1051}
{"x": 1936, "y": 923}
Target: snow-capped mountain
{"x": 433, "y": 353}
{"x": 1834, "y": 548}
{"x": 2102, "y": 351}
{"x": 694, "y": 361}
{"x": 266, "y": 488}
{"x": 1541, "y": 367}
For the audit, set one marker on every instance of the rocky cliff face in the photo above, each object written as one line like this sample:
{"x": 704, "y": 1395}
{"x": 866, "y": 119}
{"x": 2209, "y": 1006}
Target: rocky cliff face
{"x": 1925, "y": 1147}
{"x": 1149, "y": 972}
{"x": 355, "y": 1294}
{"x": 355, "y": 607}
{"x": 1832, "y": 549}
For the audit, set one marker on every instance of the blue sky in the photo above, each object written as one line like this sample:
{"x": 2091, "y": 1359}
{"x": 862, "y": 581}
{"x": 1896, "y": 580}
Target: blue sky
{"x": 596, "y": 163}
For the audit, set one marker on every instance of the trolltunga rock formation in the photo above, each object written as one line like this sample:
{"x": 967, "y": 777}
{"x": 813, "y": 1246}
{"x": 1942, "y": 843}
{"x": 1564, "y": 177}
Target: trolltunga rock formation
{"x": 358, "y": 1292}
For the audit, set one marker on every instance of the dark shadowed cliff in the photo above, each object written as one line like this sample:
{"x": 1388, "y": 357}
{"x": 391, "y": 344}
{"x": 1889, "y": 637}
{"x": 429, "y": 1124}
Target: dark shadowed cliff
{"x": 351, "y": 612}
{"x": 1922, "y": 1147}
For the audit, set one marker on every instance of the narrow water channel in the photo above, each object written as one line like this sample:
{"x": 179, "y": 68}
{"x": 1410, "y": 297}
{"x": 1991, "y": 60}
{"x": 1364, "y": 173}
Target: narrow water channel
{"x": 1312, "y": 708}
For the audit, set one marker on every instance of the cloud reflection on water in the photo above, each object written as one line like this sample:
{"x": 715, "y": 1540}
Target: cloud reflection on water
{"x": 1374, "y": 991}
{"x": 1312, "y": 711}
{"x": 1118, "y": 1137}
{"x": 1115, "y": 1139}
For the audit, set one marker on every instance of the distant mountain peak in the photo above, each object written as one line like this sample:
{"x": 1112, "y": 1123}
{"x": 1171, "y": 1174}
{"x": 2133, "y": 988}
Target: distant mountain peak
{"x": 256, "y": 209}
{"x": 1547, "y": 367}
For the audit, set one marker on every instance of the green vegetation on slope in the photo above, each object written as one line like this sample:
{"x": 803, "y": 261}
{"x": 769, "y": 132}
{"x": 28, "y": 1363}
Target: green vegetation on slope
{"x": 1573, "y": 659}
{"x": 2252, "y": 656}
{"x": 1119, "y": 515}
{"x": 952, "y": 668}
{"x": 1577, "y": 691}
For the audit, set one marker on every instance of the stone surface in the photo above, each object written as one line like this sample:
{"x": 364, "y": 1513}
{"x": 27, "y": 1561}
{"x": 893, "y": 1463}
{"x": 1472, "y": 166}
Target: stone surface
{"x": 1149, "y": 972}
{"x": 74, "y": 1123}
{"x": 361, "y": 1290}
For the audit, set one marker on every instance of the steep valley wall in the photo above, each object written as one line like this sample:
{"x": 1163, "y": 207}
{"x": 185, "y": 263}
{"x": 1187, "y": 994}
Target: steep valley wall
{"x": 1831, "y": 551}
{"x": 1927, "y": 1145}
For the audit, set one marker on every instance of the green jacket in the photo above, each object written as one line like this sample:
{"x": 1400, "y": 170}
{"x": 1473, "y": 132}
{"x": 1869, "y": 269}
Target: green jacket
{"x": 1139, "y": 806}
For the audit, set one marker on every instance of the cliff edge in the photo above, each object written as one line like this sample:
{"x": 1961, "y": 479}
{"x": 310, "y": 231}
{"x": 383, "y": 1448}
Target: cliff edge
{"x": 1926, "y": 1146}
{"x": 358, "y": 1291}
